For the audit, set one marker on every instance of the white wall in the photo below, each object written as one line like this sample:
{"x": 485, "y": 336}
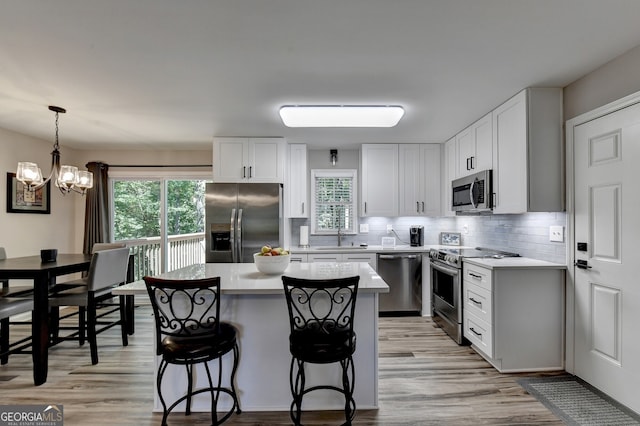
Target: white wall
{"x": 614, "y": 80}
{"x": 24, "y": 234}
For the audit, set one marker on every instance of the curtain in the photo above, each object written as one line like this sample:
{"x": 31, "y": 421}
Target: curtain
{"x": 96, "y": 216}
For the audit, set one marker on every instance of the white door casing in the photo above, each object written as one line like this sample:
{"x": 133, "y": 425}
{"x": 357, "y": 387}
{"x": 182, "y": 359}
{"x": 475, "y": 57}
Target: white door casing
{"x": 605, "y": 148}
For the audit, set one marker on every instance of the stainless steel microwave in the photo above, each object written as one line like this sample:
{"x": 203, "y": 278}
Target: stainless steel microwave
{"x": 472, "y": 193}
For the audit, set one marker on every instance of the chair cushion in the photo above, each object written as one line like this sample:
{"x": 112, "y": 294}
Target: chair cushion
{"x": 312, "y": 345}
{"x": 10, "y": 306}
{"x": 203, "y": 347}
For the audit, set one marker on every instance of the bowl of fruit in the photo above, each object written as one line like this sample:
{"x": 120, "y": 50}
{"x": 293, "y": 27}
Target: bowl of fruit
{"x": 272, "y": 260}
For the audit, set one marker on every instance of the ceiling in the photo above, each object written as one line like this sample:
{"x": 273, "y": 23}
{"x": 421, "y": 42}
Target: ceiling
{"x": 167, "y": 74}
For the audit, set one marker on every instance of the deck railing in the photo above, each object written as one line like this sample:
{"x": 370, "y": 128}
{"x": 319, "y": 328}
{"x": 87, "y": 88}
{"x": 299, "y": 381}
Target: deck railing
{"x": 184, "y": 250}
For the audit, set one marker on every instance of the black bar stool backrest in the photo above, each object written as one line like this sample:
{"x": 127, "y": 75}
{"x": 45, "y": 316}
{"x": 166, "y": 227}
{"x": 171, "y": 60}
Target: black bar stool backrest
{"x": 321, "y": 313}
{"x": 184, "y": 308}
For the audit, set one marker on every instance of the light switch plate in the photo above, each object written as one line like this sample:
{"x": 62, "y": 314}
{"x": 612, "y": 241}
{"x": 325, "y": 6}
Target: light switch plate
{"x": 364, "y": 228}
{"x": 556, "y": 233}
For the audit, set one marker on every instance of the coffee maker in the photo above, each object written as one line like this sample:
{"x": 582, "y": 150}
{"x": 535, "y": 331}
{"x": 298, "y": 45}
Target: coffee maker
{"x": 416, "y": 235}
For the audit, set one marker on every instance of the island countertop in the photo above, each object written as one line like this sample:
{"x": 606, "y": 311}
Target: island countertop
{"x": 244, "y": 278}
{"x": 254, "y": 302}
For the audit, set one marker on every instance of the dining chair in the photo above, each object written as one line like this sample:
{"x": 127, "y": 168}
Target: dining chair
{"x": 189, "y": 332}
{"x": 10, "y": 306}
{"x": 108, "y": 269}
{"x": 321, "y": 314}
{"x": 6, "y": 289}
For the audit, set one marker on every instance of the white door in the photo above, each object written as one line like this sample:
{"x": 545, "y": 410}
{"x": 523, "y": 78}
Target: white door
{"x": 607, "y": 288}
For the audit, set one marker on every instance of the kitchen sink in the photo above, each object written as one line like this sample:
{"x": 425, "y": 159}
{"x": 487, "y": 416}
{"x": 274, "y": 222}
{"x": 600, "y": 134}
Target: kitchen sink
{"x": 335, "y": 248}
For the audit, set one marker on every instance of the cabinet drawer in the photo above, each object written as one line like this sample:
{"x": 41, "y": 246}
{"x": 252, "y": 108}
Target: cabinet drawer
{"x": 479, "y": 333}
{"x": 478, "y": 301}
{"x": 335, "y": 257}
{"x": 477, "y": 275}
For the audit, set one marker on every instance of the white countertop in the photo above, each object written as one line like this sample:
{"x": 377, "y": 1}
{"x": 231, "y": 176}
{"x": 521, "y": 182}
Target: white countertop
{"x": 514, "y": 263}
{"x": 244, "y": 278}
{"x": 368, "y": 249}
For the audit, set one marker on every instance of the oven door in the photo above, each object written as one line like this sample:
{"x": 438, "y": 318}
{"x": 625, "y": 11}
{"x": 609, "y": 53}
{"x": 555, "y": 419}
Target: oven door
{"x": 445, "y": 291}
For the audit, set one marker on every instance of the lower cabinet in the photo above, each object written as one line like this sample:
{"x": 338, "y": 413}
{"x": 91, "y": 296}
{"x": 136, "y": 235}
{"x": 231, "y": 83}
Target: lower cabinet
{"x": 514, "y": 317}
{"x": 337, "y": 257}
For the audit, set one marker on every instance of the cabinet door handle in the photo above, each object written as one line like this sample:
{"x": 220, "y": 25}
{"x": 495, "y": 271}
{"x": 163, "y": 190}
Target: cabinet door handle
{"x": 472, "y": 159}
{"x": 468, "y": 163}
{"x": 244, "y": 172}
{"x": 423, "y": 207}
{"x": 476, "y": 276}
{"x": 417, "y": 206}
{"x": 475, "y": 301}
{"x": 365, "y": 207}
{"x": 250, "y": 170}
{"x": 471, "y": 329}
{"x": 303, "y": 207}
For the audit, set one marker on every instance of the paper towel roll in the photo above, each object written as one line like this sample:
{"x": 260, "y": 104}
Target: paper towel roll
{"x": 304, "y": 236}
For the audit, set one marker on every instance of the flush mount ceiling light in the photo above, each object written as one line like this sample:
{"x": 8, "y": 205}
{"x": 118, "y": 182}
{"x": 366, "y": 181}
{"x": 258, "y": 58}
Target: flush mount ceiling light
{"x": 341, "y": 115}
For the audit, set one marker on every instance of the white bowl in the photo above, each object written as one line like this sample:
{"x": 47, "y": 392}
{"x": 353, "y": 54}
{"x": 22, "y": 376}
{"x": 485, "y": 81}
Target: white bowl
{"x": 272, "y": 264}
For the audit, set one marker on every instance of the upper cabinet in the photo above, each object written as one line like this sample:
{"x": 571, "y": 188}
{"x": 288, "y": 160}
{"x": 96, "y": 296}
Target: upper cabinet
{"x": 527, "y": 152}
{"x": 249, "y": 160}
{"x": 296, "y": 187}
{"x": 379, "y": 185}
{"x": 400, "y": 180}
{"x": 474, "y": 147}
{"x": 419, "y": 180}
{"x": 450, "y": 162}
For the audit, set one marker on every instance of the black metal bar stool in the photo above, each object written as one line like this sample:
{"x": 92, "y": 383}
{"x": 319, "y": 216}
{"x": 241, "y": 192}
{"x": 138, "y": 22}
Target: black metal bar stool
{"x": 321, "y": 314}
{"x": 189, "y": 332}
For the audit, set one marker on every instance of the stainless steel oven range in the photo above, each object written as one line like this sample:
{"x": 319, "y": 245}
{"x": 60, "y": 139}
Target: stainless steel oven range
{"x": 446, "y": 285}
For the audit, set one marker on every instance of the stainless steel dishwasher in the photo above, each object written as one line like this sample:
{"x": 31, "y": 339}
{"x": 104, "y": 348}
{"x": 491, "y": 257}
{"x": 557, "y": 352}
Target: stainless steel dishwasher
{"x": 403, "y": 274}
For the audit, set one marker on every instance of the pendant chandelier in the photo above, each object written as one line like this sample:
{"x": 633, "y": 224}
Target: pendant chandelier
{"x": 66, "y": 178}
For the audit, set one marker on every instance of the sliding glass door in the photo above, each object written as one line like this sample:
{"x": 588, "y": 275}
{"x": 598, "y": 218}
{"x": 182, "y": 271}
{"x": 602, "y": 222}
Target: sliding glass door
{"x": 161, "y": 219}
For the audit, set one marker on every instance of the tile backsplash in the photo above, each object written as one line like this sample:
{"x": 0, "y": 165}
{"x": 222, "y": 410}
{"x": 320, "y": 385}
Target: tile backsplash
{"x": 526, "y": 234}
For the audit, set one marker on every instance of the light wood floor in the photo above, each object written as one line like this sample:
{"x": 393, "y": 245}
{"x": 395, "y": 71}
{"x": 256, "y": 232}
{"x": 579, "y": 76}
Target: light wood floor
{"x": 425, "y": 379}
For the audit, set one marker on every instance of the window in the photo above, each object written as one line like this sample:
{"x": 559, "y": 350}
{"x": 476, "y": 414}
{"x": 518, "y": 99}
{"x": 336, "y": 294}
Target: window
{"x": 333, "y": 202}
{"x": 161, "y": 218}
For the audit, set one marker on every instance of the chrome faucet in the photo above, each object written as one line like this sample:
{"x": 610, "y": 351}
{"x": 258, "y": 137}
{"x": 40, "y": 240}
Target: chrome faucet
{"x": 339, "y": 238}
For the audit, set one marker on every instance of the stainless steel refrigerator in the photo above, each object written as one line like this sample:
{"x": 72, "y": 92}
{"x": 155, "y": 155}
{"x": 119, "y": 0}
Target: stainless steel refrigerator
{"x": 240, "y": 219}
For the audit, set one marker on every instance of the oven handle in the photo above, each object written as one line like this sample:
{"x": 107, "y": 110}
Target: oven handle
{"x": 439, "y": 267}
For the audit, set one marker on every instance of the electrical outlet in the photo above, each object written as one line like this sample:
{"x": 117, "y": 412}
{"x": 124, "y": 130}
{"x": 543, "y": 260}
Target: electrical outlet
{"x": 465, "y": 229}
{"x": 556, "y": 233}
{"x": 389, "y": 228}
{"x": 364, "y": 228}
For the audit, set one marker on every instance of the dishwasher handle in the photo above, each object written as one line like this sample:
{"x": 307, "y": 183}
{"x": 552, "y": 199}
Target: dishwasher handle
{"x": 397, "y": 256}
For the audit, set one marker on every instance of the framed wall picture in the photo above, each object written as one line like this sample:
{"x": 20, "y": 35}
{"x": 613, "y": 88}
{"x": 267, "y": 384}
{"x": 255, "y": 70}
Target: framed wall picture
{"x": 21, "y": 200}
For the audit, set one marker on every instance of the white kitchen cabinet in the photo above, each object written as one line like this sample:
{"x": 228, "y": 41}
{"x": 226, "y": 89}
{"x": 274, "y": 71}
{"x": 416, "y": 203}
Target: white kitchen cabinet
{"x": 514, "y": 317}
{"x": 299, "y": 257}
{"x": 474, "y": 147}
{"x": 379, "y": 183}
{"x": 370, "y": 258}
{"x": 528, "y": 153}
{"x": 297, "y": 186}
{"x": 249, "y": 160}
{"x": 419, "y": 180}
{"x": 450, "y": 161}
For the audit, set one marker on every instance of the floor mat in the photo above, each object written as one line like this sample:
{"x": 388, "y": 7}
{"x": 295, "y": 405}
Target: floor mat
{"x": 578, "y": 403}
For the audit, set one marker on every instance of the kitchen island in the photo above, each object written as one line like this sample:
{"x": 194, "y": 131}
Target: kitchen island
{"x": 255, "y": 304}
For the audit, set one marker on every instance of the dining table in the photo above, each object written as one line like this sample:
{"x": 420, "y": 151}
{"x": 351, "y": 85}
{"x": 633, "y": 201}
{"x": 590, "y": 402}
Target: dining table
{"x": 44, "y": 275}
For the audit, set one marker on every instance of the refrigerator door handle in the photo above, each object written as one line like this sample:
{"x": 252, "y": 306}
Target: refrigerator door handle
{"x": 232, "y": 236}
{"x": 240, "y": 254}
